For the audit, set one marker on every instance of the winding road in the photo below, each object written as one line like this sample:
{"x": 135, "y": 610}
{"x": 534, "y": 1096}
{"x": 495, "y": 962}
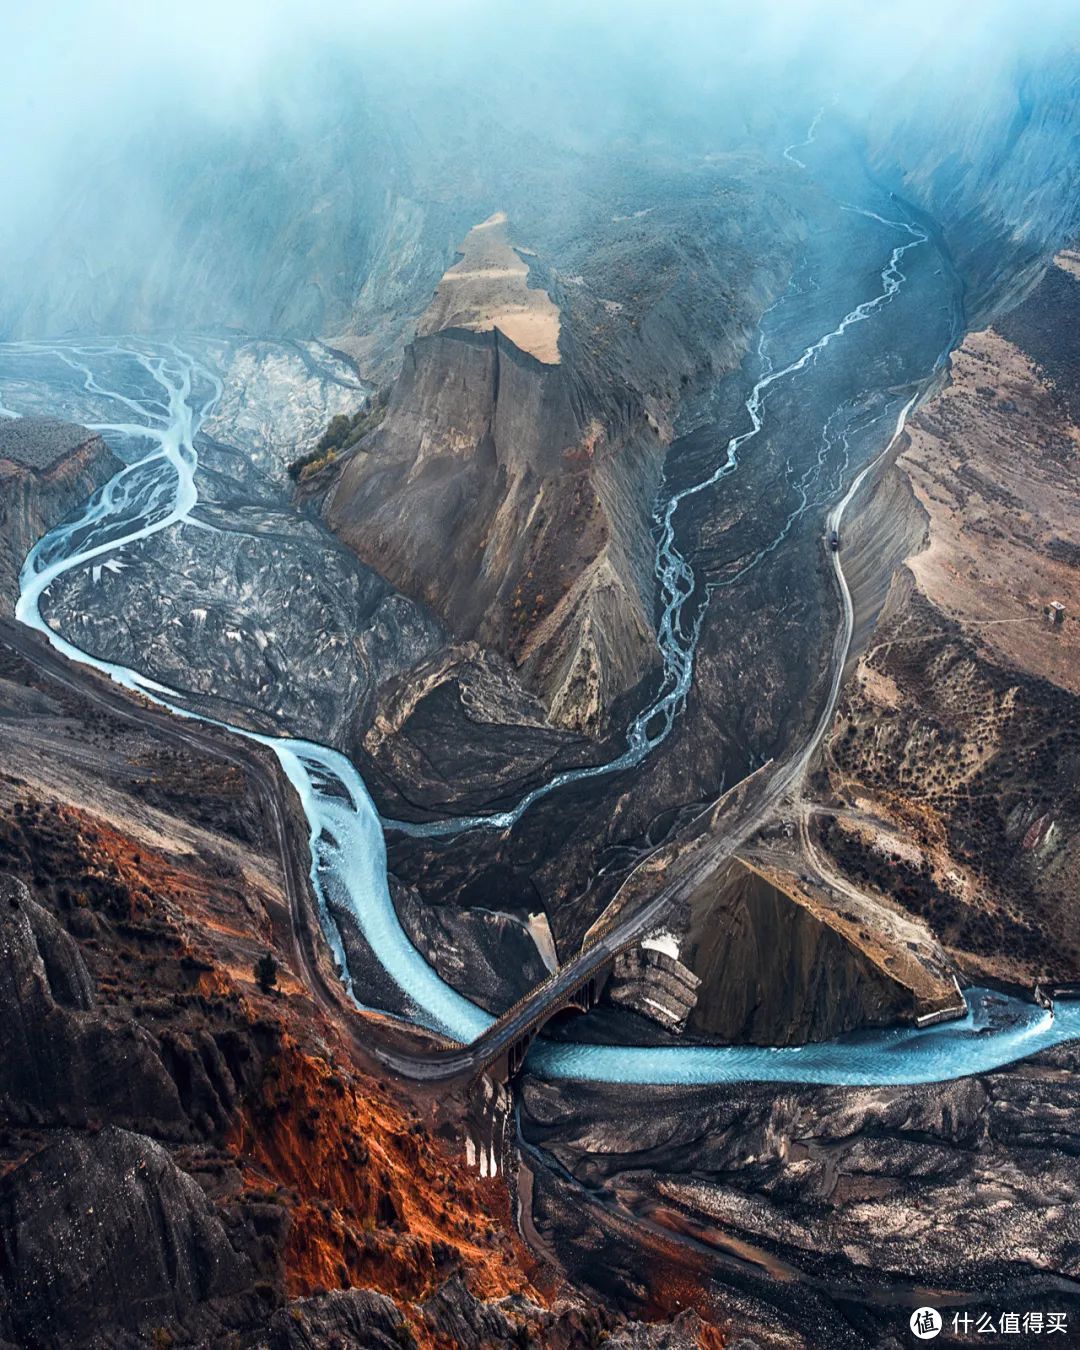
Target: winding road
{"x": 347, "y": 848}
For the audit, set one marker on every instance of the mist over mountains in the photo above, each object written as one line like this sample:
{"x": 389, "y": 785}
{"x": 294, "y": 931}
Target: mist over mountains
{"x": 302, "y": 173}
{"x": 598, "y": 484}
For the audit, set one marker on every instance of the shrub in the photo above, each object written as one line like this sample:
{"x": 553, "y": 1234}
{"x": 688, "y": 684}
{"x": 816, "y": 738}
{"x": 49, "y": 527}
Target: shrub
{"x": 342, "y": 433}
{"x": 266, "y": 971}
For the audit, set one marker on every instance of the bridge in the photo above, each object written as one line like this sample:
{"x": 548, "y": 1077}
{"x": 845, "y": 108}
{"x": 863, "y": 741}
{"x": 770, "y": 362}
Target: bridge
{"x": 673, "y": 869}
{"x": 500, "y": 1052}
{"x": 505, "y": 1063}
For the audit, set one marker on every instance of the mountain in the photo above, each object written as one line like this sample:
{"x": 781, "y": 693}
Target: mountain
{"x": 524, "y": 438}
{"x": 1003, "y": 185}
{"x": 956, "y": 739}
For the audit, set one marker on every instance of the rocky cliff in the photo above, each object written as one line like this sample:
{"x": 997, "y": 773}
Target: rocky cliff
{"x": 511, "y": 484}
{"x": 779, "y": 966}
{"x": 1003, "y": 184}
{"x": 47, "y": 469}
{"x": 953, "y": 759}
{"x": 484, "y": 495}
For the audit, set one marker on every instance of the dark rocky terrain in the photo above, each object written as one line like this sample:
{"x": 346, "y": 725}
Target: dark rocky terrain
{"x": 813, "y": 1215}
{"x": 47, "y": 469}
{"x": 1044, "y": 328}
{"x": 186, "y": 1158}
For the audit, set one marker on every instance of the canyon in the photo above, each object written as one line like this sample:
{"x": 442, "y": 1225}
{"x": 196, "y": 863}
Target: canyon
{"x": 473, "y": 547}
{"x": 811, "y": 1206}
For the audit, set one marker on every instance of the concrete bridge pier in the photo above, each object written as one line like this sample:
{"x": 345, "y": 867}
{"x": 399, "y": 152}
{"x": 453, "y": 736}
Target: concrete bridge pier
{"x": 487, "y": 1122}
{"x": 509, "y": 1063}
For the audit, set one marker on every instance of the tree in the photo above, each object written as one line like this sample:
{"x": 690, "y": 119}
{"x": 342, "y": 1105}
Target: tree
{"x": 266, "y": 969}
{"x": 333, "y": 438}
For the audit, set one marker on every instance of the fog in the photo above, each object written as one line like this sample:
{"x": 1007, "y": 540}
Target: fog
{"x": 134, "y": 133}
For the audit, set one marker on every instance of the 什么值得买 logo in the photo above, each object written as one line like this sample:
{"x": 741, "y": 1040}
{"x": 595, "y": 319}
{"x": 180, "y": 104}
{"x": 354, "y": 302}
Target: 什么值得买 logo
{"x": 925, "y": 1323}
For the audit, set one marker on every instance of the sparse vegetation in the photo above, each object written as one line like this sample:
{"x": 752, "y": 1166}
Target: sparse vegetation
{"x": 300, "y": 470}
{"x": 343, "y": 432}
{"x": 266, "y": 973}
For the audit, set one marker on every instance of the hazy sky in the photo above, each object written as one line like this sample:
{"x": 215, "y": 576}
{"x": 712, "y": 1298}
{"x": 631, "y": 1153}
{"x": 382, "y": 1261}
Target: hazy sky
{"x": 92, "y": 58}
{"x": 98, "y": 96}
{"x": 96, "y": 67}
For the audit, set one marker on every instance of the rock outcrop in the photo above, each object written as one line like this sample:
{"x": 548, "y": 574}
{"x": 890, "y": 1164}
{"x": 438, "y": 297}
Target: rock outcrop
{"x": 60, "y": 1057}
{"x": 108, "y": 1222}
{"x": 495, "y": 493}
{"x": 954, "y": 752}
{"x": 47, "y": 469}
{"x": 490, "y": 957}
{"x": 511, "y": 484}
{"x": 456, "y": 1317}
{"x": 779, "y": 965}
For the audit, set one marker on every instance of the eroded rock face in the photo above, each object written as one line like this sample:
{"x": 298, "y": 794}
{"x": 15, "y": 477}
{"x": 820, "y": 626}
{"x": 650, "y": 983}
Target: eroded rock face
{"x": 955, "y": 753}
{"x": 108, "y": 1221}
{"x": 348, "y": 1316}
{"x": 813, "y": 1207}
{"x": 455, "y": 1316}
{"x": 779, "y": 967}
{"x": 512, "y": 482}
{"x": 47, "y": 469}
{"x": 458, "y": 731}
{"x": 490, "y": 957}
{"x": 60, "y": 1058}
{"x": 481, "y": 495}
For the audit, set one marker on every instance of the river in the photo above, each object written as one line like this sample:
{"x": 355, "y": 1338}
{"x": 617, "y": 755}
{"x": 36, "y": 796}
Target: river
{"x": 166, "y": 395}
